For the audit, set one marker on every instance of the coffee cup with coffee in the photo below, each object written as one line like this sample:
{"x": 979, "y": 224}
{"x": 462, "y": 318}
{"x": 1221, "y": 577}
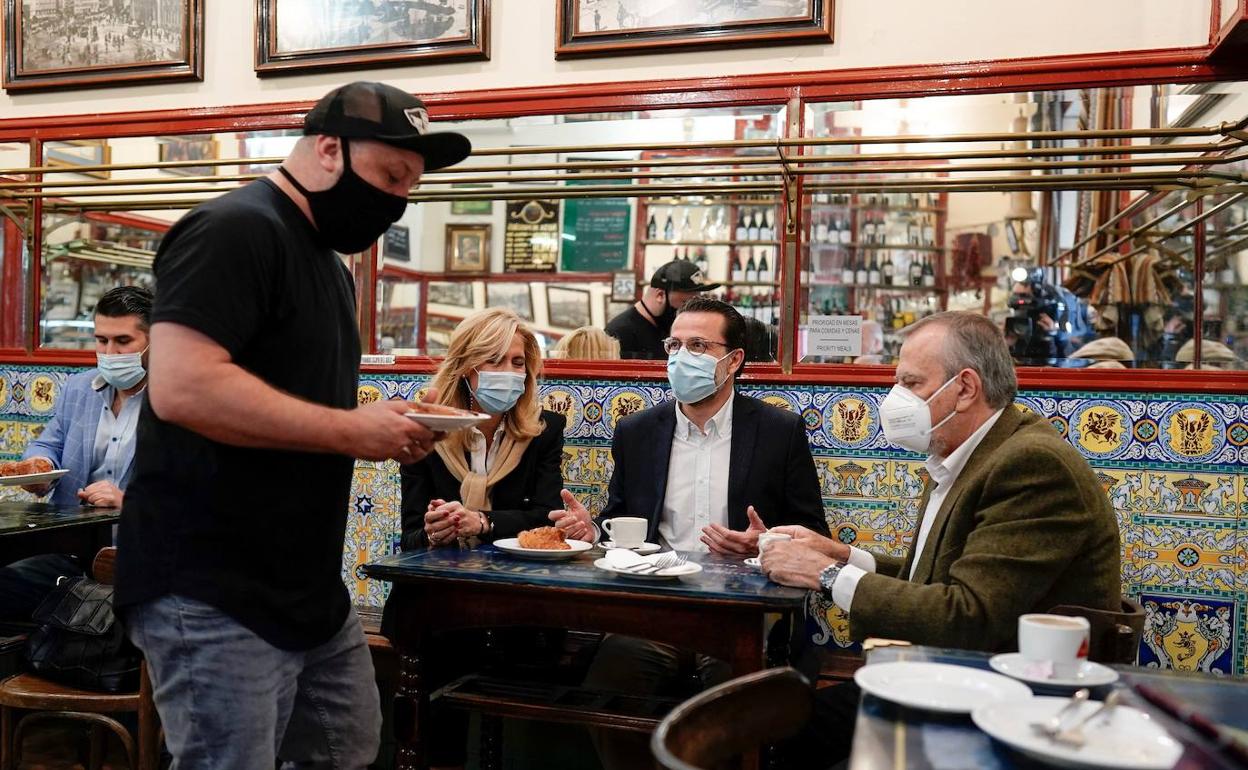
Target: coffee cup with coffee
{"x": 1058, "y": 639}
{"x": 765, "y": 538}
{"x": 626, "y": 531}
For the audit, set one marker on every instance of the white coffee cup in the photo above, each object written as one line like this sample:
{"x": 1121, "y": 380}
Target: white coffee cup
{"x": 770, "y": 537}
{"x": 1060, "y": 639}
{"x": 626, "y": 531}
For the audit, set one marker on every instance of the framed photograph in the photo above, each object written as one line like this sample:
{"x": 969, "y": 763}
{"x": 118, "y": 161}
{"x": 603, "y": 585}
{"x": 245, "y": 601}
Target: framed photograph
{"x": 517, "y": 296}
{"x": 567, "y": 308}
{"x": 79, "y": 152}
{"x": 606, "y": 27}
{"x": 624, "y": 286}
{"x": 51, "y": 45}
{"x": 198, "y": 147}
{"x": 455, "y": 293}
{"x": 300, "y": 35}
{"x": 467, "y": 248}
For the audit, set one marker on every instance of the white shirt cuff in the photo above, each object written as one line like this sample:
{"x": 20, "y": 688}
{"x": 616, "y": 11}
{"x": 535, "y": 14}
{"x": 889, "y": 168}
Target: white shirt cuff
{"x": 846, "y": 584}
{"x": 861, "y": 559}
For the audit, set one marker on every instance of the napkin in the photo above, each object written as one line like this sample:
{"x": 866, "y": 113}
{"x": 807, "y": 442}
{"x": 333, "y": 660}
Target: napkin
{"x": 622, "y": 558}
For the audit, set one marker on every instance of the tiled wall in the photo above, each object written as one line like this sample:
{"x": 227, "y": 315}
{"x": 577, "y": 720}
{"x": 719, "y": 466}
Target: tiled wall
{"x": 1175, "y": 467}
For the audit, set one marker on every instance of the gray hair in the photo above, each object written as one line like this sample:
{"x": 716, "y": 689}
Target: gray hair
{"x": 974, "y": 342}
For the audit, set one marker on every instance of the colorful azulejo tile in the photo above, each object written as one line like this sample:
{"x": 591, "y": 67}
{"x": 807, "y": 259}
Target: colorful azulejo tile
{"x": 1145, "y": 430}
{"x": 851, "y": 421}
{"x": 374, "y": 524}
{"x": 1188, "y": 494}
{"x": 621, "y": 402}
{"x": 827, "y": 625}
{"x": 564, "y": 400}
{"x": 1100, "y": 429}
{"x": 1188, "y": 633}
{"x": 1188, "y": 555}
{"x": 1193, "y": 432}
{"x": 4, "y": 393}
{"x": 1237, "y": 434}
{"x": 41, "y": 394}
{"x": 881, "y": 526}
{"x": 367, "y": 393}
{"x": 793, "y": 400}
{"x": 1127, "y": 491}
{"x": 587, "y": 465}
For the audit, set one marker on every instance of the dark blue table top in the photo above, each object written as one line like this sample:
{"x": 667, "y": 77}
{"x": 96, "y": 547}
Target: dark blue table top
{"x": 888, "y": 735}
{"x": 20, "y": 517}
{"x": 721, "y": 579}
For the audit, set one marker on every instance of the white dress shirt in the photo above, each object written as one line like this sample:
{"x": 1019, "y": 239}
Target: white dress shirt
{"x": 114, "y": 435}
{"x": 697, "y": 480}
{"x": 944, "y": 472}
{"x": 481, "y": 459}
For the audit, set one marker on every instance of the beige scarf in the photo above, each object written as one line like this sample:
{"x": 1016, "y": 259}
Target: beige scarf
{"x": 475, "y": 488}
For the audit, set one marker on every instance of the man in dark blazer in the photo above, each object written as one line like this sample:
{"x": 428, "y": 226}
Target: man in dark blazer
{"x": 709, "y": 471}
{"x": 1013, "y": 520}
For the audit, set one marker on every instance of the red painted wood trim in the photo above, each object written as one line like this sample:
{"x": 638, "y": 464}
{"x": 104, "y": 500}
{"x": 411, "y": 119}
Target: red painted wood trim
{"x": 12, "y": 287}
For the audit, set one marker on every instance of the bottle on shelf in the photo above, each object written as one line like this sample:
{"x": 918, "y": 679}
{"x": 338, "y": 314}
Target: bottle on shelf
{"x": 669, "y": 228}
{"x": 929, "y": 275}
{"x": 752, "y": 228}
{"x": 868, "y": 230}
{"x": 886, "y": 270}
{"x": 847, "y": 270}
{"x": 844, "y": 233}
{"x": 686, "y": 229}
{"x": 742, "y": 227}
{"x": 703, "y": 264}
{"x": 873, "y": 271}
{"x": 751, "y": 270}
{"x": 929, "y": 238}
{"x": 860, "y": 271}
{"x": 764, "y": 269}
{"x": 821, "y": 229}
{"x": 652, "y": 229}
{"x": 916, "y": 270}
{"x": 767, "y": 230}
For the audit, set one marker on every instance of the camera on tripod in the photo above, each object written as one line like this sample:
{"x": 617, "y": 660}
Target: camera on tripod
{"x": 1032, "y": 299}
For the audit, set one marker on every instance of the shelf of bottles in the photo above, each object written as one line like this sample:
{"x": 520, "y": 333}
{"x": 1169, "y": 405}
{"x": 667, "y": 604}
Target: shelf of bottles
{"x": 733, "y": 242}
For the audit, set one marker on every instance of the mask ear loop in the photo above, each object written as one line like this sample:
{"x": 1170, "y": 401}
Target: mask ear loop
{"x": 928, "y": 401}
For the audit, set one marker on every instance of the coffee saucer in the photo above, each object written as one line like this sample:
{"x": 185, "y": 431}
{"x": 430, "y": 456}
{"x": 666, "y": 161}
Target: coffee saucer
{"x": 1090, "y": 674}
{"x": 754, "y": 562}
{"x": 643, "y": 549}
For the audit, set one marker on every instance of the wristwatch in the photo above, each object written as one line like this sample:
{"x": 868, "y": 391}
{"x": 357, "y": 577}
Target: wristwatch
{"x": 827, "y": 577}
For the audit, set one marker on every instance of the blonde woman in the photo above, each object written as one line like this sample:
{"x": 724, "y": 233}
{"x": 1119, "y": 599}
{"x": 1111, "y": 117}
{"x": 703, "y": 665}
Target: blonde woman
{"x": 484, "y": 483}
{"x": 504, "y": 476}
{"x": 587, "y": 343}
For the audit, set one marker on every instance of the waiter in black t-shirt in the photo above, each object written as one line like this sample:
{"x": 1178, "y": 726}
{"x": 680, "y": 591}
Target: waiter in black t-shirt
{"x": 229, "y": 571}
{"x": 642, "y": 328}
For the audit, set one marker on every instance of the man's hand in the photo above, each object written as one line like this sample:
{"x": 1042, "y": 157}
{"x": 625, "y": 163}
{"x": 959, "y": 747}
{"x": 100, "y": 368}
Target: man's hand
{"x": 792, "y": 563}
{"x": 833, "y": 549}
{"x": 574, "y": 520}
{"x": 379, "y": 431}
{"x": 727, "y": 542}
{"x": 103, "y": 494}
{"x": 1046, "y": 323}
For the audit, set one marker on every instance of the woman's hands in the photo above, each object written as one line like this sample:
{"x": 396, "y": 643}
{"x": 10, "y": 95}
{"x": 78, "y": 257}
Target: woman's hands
{"x": 446, "y": 523}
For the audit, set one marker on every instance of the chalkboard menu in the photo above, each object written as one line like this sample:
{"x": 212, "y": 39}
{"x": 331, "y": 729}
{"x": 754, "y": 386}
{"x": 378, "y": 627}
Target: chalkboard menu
{"x": 397, "y": 245}
{"x": 532, "y": 237}
{"x": 595, "y": 234}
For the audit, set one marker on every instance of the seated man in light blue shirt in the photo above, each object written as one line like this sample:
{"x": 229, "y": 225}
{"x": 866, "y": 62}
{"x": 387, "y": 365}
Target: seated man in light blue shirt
{"x": 91, "y": 435}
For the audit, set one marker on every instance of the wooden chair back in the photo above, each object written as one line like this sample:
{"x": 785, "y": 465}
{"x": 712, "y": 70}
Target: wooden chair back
{"x": 1114, "y": 636}
{"x": 102, "y": 567}
{"x": 714, "y": 728}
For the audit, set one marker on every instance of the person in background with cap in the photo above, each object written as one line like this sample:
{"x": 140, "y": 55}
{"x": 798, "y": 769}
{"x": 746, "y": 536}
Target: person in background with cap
{"x": 642, "y": 328}
{"x": 236, "y": 599}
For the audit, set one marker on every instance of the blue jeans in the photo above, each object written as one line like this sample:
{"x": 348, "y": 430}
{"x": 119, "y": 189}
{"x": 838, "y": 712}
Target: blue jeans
{"x": 229, "y": 700}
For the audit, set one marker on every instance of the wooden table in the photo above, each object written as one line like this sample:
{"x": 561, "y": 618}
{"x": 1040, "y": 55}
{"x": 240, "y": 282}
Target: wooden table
{"x": 718, "y": 612}
{"x": 28, "y": 529}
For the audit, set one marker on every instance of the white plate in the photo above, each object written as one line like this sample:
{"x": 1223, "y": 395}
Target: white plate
{"x": 642, "y": 550}
{"x": 754, "y": 562}
{"x": 670, "y": 573}
{"x": 32, "y": 478}
{"x": 1089, "y": 675}
{"x": 1130, "y": 739}
{"x": 447, "y": 422}
{"x": 938, "y": 686}
{"x": 511, "y": 545}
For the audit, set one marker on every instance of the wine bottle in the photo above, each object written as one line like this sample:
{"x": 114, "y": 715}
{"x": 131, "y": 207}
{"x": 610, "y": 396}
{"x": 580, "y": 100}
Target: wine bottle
{"x": 873, "y": 272}
{"x": 860, "y": 272}
{"x": 868, "y": 231}
{"x": 929, "y": 275}
{"x": 742, "y": 228}
{"x": 844, "y": 233}
{"x": 752, "y": 228}
{"x": 916, "y": 270}
{"x": 764, "y": 270}
{"x": 847, "y": 269}
{"x": 652, "y": 229}
{"x": 928, "y": 236}
{"x": 751, "y": 270}
{"x": 669, "y": 228}
{"x": 686, "y": 229}
{"x": 821, "y": 229}
{"x": 886, "y": 270}
{"x": 738, "y": 269}
{"x": 767, "y": 231}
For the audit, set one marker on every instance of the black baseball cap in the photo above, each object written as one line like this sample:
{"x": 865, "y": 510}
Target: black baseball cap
{"x": 680, "y": 275}
{"x": 369, "y": 110}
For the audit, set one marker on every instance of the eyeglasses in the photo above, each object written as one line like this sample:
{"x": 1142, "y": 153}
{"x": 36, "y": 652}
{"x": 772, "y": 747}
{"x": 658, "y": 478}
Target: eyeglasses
{"x": 696, "y": 345}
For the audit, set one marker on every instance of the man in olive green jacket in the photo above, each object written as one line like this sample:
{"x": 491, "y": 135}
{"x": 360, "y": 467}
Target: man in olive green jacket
{"x": 1012, "y": 522}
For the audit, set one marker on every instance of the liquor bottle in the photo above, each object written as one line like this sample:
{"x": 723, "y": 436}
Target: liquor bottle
{"x": 669, "y": 228}
{"x": 868, "y": 230}
{"x": 821, "y": 229}
{"x": 764, "y": 270}
{"x": 886, "y": 270}
{"x": 847, "y": 270}
{"x": 752, "y": 228}
{"x": 751, "y": 270}
{"x": 686, "y": 229}
{"x": 844, "y": 233}
{"x": 860, "y": 272}
{"x": 738, "y": 269}
{"x": 929, "y": 275}
{"x": 767, "y": 231}
{"x": 916, "y": 270}
{"x": 912, "y": 234}
{"x": 652, "y": 229}
{"x": 873, "y": 272}
{"x": 928, "y": 236}
{"x": 742, "y": 229}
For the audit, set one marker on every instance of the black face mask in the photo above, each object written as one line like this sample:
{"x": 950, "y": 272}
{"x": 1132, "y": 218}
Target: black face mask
{"x": 353, "y": 214}
{"x": 662, "y": 320}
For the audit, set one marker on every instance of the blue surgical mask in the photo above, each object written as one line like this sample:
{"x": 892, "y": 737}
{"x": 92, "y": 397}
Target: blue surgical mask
{"x": 691, "y": 376}
{"x": 121, "y": 370}
{"x": 497, "y": 392}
